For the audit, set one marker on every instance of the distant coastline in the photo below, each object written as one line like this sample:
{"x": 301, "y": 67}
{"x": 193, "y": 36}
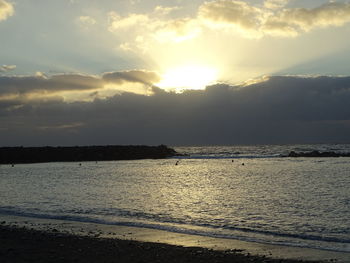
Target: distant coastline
{"x": 14, "y": 155}
{"x": 317, "y": 154}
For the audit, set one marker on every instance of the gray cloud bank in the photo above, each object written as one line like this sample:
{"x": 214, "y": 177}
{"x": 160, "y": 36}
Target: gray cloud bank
{"x": 280, "y": 109}
{"x": 37, "y": 87}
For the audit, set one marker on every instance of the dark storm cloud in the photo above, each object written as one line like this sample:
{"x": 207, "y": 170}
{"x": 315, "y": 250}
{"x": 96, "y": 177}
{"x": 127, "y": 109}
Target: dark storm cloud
{"x": 28, "y": 84}
{"x": 278, "y": 110}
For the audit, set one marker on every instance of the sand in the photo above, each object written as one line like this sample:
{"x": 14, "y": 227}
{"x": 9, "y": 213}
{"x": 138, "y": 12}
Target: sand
{"x": 24, "y": 239}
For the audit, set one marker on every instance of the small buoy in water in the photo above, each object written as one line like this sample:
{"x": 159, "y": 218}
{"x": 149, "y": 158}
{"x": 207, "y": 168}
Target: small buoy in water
{"x": 79, "y": 164}
{"x": 232, "y": 160}
{"x": 12, "y": 165}
{"x": 242, "y": 163}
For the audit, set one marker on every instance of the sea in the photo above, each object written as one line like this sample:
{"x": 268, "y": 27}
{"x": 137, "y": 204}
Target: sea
{"x": 251, "y": 193}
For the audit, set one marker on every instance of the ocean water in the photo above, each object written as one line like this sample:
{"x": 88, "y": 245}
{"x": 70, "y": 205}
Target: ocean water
{"x": 302, "y": 202}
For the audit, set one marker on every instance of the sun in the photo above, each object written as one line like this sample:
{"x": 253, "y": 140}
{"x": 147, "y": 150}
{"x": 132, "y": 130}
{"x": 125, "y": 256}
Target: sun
{"x": 186, "y": 77}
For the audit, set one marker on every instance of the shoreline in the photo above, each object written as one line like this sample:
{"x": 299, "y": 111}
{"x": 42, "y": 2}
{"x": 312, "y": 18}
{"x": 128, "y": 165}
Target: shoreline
{"x": 209, "y": 249}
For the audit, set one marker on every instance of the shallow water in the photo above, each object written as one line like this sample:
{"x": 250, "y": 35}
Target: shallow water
{"x": 290, "y": 201}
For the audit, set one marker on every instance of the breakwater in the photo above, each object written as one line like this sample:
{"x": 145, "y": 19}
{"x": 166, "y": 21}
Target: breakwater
{"x": 12, "y": 155}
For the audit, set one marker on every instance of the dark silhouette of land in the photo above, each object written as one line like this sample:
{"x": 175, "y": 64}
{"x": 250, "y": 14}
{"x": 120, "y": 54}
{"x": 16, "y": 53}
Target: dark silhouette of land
{"x": 13, "y": 155}
{"x": 317, "y": 154}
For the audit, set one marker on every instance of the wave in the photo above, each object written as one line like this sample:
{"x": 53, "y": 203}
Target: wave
{"x": 176, "y": 226}
{"x": 215, "y": 156}
{"x": 256, "y": 151}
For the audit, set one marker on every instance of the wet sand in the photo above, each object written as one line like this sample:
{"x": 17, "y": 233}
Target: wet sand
{"x": 41, "y": 240}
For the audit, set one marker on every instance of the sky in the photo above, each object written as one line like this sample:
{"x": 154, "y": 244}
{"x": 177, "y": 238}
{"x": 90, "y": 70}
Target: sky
{"x": 175, "y": 72}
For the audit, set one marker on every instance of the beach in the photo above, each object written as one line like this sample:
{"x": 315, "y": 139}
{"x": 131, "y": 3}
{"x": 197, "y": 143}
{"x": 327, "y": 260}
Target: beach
{"x": 19, "y": 245}
{"x": 26, "y": 239}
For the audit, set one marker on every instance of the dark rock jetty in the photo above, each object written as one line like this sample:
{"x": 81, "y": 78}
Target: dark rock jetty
{"x": 317, "y": 154}
{"x": 13, "y": 155}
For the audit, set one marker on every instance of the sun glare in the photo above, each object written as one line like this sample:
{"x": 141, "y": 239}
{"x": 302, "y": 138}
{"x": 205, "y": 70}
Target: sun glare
{"x": 188, "y": 77}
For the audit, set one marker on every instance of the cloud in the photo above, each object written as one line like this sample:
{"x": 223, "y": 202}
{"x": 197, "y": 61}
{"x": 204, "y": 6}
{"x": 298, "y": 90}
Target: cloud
{"x": 257, "y": 22}
{"x": 275, "y": 4}
{"x": 178, "y": 30}
{"x": 228, "y": 13}
{"x": 86, "y": 21}
{"x": 297, "y": 20}
{"x": 280, "y": 109}
{"x": 140, "y": 30}
{"x": 140, "y": 76}
{"x": 6, "y": 10}
{"x": 67, "y": 126}
{"x": 39, "y": 82}
{"x": 165, "y": 10}
{"x": 154, "y": 20}
{"x": 75, "y": 87}
{"x": 6, "y": 68}
{"x": 124, "y": 23}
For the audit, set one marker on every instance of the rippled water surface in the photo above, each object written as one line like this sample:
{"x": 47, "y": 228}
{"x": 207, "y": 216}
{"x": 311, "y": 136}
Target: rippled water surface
{"x": 301, "y": 202}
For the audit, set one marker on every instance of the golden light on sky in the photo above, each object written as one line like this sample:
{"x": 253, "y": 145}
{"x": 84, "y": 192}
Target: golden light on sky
{"x": 188, "y": 77}
{"x": 101, "y": 63}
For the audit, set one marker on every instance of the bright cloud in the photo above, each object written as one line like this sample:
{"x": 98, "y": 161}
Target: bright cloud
{"x": 6, "y": 68}
{"x": 141, "y": 30}
{"x": 275, "y": 4}
{"x": 178, "y": 30}
{"x": 6, "y": 10}
{"x": 86, "y": 21}
{"x": 124, "y": 23}
{"x": 165, "y": 10}
{"x": 299, "y": 20}
{"x": 286, "y": 22}
{"x": 237, "y": 13}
